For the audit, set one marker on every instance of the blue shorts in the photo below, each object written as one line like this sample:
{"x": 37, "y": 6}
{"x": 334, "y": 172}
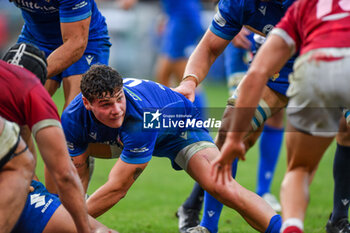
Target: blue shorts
{"x": 169, "y": 145}
{"x": 281, "y": 84}
{"x": 39, "y": 208}
{"x": 180, "y": 38}
{"x": 97, "y": 51}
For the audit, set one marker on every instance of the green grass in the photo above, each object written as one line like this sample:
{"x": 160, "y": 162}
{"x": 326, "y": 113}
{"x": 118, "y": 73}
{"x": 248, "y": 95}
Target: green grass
{"x": 151, "y": 203}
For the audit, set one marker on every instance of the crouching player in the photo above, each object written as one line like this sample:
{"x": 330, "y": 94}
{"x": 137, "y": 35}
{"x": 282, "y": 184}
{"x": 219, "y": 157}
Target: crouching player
{"x": 17, "y": 166}
{"x": 43, "y": 213}
{"x": 108, "y": 113}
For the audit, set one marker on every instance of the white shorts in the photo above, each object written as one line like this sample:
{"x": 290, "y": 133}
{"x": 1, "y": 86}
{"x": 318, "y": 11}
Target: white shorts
{"x": 319, "y": 89}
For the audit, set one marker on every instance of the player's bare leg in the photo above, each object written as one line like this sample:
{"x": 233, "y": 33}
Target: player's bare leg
{"x": 163, "y": 70}
{"x": 338, "y": 219}
{"x": 15, "y": 177}
{"x": 71, "y": 88}
{"x": 252, "y": 207}
{"x": 178, "y": 68}
{"x": 51, "y": 86}
{"x": 81, "y": 163}
{"x": 302, "y": 158}
{"x": 271, "y": 98}
{"x": 62, "y": 222}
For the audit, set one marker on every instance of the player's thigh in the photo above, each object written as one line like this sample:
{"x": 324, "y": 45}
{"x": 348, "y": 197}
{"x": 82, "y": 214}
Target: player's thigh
{"x": 60, "y": 222}
{"x": 51, "y": 86}
{"x": 304, "y": 151}
{"x": 163, "y": 70}
{"x": 178, "y": 68}
{"x": 15, "y": 178}
{"x": 200, "y": 164}
{"x": 276, "y": 120}
{"x": 13, "y": 197}
{"x": 81, "y": 161}
{"x": 71, "y": 86}
{"x": 275, "y": 100}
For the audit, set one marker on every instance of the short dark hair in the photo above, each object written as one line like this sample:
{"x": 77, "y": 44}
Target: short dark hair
{"x": 99, "y": 81}
{"x": 30, "y": 57}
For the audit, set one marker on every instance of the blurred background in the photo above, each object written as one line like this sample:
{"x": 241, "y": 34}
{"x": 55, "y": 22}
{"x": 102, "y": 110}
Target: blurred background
{"x": 135, "y": 35}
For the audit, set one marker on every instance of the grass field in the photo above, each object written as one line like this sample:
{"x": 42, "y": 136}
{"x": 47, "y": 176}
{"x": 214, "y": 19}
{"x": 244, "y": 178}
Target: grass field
{"x": 151, "y": 203}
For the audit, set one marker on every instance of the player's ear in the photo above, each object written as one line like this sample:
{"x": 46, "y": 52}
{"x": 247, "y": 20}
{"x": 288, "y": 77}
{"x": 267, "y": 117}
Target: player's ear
{"x": 86, "y": 103}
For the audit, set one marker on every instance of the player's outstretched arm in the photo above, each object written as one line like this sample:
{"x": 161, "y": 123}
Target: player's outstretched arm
{"x": 53, "y": 148}
{"x": 75, "y": 37}
{"x": 120, "y": 179}
{"x": 270, "y": 59}
{"x": 199, "y": 63}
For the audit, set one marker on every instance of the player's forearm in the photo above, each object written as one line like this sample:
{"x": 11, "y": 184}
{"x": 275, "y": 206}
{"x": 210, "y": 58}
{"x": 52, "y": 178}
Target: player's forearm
{"x": 70, "y": 188}
{"x": 248, "y": 99}
{"x": 53, "y": 149}
{"x": 104, "y": 198}
{"x": 65, "y": 55}
{"x": 203, "y": 57}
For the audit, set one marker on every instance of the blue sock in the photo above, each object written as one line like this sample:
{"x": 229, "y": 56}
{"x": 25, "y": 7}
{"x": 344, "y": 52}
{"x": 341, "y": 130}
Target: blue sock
{"x": 212, "y": 207}
{"x": 275, "y": 224}
{"x": 341, "y": 175}
{"x": 195, "y": 200}
{"x": 270, "y": 145}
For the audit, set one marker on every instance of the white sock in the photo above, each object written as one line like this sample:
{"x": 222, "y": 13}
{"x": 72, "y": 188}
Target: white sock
{"x": 292, "y": 222}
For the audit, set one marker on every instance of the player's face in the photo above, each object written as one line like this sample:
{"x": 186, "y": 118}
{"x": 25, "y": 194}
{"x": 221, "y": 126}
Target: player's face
{"x": 109, "y": 110}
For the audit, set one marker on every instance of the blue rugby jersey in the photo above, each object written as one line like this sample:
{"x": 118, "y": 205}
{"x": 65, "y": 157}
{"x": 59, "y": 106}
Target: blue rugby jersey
{"x": 143, "y": 99}
{"x": 42, "y": 19}
{"x": 258, "y": 16}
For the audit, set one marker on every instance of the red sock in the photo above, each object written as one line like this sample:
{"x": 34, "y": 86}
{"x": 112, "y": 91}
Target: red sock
{"x": 292, "y": 229}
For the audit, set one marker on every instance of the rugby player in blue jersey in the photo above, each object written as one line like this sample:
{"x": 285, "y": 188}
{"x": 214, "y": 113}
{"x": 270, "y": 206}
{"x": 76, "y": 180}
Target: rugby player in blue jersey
{"x": 181, "y": 34}
{"x": 132, "y": 119}
{"x": 72, "y": 33}
{"x": 260, "y": 18}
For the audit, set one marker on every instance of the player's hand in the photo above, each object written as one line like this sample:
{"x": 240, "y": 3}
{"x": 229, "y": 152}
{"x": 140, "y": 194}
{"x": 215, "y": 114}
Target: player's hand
{"x": 241, "y": 40}
{"x": 187, "y": 88}
{"x": 233, "y": 148}
{"x": 31, "y": 189}
{"x": 221, "y": 167}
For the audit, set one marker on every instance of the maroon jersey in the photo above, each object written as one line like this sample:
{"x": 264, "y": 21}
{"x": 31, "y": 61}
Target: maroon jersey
{"x": 24, "y": 100}
{"x": 313, "y": 24}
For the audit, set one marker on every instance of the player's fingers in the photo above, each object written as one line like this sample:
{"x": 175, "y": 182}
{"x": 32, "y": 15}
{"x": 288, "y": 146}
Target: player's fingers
{"x": 222, "y": 175}
{"x": 213, "y": 171}
{"x": 228, "y": 172}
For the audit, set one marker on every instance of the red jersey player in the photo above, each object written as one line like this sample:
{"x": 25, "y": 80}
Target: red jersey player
{"x": 24, "y": 100}
{"x": 318, "y": 91}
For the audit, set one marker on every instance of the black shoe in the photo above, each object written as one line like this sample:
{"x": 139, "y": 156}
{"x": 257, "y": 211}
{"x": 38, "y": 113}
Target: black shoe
{"x": 187, "y": 218}
{"x": 341, "y": 226}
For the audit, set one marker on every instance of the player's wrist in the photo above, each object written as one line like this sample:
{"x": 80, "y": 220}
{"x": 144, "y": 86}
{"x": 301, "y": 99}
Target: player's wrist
{"x": 192, "y": 78}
